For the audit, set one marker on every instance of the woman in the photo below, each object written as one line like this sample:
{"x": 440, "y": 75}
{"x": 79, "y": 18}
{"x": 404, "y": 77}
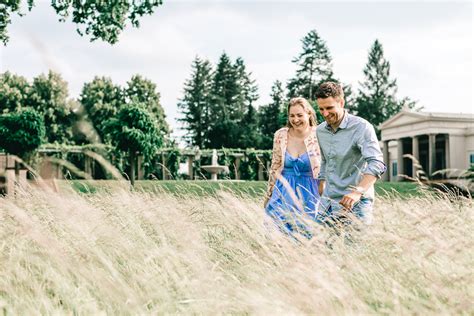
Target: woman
{"x": 296, "y": 159}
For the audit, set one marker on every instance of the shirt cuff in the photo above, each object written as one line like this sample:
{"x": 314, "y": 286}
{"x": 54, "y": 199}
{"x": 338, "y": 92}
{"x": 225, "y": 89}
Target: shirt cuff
{"x": 375, "y": 168}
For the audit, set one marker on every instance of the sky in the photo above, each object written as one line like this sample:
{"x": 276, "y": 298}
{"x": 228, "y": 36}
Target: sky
{"x": 428, "y": 44}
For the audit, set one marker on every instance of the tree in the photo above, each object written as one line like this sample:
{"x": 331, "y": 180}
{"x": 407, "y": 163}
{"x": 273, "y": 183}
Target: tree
{"x": 376, "y": 100}
{"x": 270, "y": 115}
{"x": 48, "y": 96}
{"x": 103, "y": 20}
{"x": 14, "y": 92}
{"x": 21, "y": 132}
{"x": 246, "y": 114}
{"x": 135, "y": 131}
{"x": 314, "y": 66}
{"x": 100, "y": 100}
{"x": 141, "y": 90}
{"x": 196, "y": 102}
{"x": 225, "y": 111}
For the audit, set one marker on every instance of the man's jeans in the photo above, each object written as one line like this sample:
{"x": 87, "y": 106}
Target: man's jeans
{"x": 361, "y": 212}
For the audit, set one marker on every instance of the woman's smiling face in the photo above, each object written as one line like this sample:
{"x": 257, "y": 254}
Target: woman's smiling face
{"x": 298, "y": 117}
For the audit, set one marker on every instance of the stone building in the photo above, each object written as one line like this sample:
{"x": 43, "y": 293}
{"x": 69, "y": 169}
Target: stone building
{"x": 439, "y": 141}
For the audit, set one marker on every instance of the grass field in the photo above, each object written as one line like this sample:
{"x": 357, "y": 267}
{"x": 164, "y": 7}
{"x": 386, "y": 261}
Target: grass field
{"x": 253, "y": 189}
{"x": 154, "y": 251}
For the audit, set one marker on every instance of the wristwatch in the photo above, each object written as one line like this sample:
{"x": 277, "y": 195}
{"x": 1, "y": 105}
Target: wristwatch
{"x": 358, "y": 189}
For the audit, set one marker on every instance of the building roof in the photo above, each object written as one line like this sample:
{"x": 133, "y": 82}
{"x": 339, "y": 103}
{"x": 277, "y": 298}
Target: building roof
{"x": 427, "y": 116}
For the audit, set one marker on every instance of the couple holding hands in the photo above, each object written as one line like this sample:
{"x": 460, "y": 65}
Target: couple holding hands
{"x": 323, "y": 173}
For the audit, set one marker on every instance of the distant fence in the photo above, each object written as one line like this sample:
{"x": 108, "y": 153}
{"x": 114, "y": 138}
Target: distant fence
{"x": 167, "y": 163}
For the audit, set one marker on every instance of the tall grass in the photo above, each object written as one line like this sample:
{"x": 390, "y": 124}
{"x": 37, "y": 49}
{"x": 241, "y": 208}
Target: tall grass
{"x": 123, "y": 252}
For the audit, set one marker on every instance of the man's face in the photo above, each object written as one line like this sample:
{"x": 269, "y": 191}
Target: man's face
{"x": 332, "y": 109}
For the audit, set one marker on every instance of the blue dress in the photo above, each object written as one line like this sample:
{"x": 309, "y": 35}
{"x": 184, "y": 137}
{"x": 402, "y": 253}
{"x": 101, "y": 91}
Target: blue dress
{"x": 282, "y": 207}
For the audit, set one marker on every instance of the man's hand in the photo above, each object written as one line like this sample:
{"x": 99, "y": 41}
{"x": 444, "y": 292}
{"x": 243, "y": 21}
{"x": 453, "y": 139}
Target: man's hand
{"x": 350, "y": 199}
{"x": 322, "y": 185}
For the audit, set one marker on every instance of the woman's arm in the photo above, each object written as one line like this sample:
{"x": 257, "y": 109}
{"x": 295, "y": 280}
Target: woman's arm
{"x": 275, "y": 165}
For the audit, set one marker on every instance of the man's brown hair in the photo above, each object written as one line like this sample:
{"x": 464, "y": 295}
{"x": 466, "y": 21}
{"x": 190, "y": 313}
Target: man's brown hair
{"x": 329, "y": 89}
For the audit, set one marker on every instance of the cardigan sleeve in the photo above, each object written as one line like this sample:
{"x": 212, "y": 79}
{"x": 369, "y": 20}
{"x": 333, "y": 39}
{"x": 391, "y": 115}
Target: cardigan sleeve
{"x": 275, "y": 166}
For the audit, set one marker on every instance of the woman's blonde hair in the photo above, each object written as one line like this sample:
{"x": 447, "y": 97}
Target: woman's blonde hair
{"x": 306, "y": 107}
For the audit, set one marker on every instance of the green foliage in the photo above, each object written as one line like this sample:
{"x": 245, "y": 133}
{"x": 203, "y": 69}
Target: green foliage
{"x": 134, "y": 130}
{"x": 141, "y": 90}
{"x": 173, "y": 158}
{"x": 249, "y": 166}
{"x": 21, "y": 132}
{"x": 48, "y": 96}
{"x": 100, "y": 100}
{"x": 314, "y": 65}
{"x": 226, "y": 112}
{"x": 248, "y": 121}
{"x": 14, "y": 92}
{"x": 376, "y": 101}
{"x": 272, "y": 116}
{"x": 103, "y": 20}
{"x": 196, "y": 102}
{"x": 218, "y": 108}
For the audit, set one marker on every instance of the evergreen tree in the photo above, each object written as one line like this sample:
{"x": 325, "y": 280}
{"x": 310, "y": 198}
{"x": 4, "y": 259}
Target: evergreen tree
{"x": 247, "y": 114}
{"x": 271, "y": 116}
{"x": 225, "y": 111}
{"x": 195, "y": 104}
{"x": 314, "y": 67}
{"x": 143, "y": 91}
{"x": 376, "y": 101}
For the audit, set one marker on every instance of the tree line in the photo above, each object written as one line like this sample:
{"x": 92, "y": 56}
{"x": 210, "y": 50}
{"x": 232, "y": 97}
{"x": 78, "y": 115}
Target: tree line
{"x": 218, "y": 106}
{"x": 130, "y": 118}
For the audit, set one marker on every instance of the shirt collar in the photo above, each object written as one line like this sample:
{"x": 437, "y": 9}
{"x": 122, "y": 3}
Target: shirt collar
{"x": 344, "y": 123}
{"x": 345, "y": 120}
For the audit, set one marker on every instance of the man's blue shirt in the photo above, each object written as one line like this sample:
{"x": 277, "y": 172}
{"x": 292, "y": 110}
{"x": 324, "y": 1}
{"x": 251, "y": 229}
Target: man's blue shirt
{"x": 347, "y": 154}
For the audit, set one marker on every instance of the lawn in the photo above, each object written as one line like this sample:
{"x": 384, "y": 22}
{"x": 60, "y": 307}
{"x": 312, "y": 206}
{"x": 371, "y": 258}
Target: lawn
{"x": 253, "y": 189}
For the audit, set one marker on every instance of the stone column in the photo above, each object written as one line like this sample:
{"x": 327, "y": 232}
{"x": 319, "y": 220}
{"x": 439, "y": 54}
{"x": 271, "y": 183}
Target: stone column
{"x": 140, "y": 168}
{"x": 431, "y": 154}
{"x": 400, "y": 167}
{"x": 22, "y": 173}
{"x": 416, "y": 155}
{"x": 190, "y": 167}
{"x": 88, "y": 165}
{"x": 10, "y": 175}
{"x": 386, "y": 159}
{"x": 237, "y": 157}
{"x": 446, "y": 152}
{"x": 163, "y": 166}
{"x": 260, "y": 170}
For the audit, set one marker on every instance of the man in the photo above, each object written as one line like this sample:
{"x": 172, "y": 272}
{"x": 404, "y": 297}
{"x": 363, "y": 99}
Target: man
{"x": 351, "y": 159}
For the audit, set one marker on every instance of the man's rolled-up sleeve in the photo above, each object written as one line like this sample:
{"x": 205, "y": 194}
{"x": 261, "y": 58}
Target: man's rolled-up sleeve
{"x": 370, "y": 149}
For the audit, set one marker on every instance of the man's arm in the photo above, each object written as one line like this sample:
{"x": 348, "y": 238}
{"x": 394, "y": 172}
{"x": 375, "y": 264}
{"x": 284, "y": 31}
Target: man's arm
{"x": 370, "y": 151}
{"x": 351, "y": 198}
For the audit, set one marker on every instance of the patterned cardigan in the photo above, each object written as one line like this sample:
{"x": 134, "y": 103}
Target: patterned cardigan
{"x": 280, "y": 142}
